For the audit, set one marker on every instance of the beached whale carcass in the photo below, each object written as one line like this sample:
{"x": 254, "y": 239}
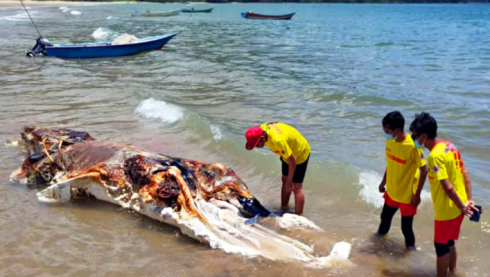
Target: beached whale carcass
{"x": 206, "y": 201}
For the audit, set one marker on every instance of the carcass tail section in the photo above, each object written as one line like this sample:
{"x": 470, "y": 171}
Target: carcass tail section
{"x": 226, "y": 229}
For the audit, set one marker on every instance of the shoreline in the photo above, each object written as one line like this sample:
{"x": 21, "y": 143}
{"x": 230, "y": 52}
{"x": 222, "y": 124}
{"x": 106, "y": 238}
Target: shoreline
{"x": 31, "y": 3}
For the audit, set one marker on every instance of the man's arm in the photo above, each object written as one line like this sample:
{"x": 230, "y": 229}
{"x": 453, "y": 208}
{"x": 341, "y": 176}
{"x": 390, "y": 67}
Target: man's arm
{"x": 467, "y": 184}
{"x": 382, "y": 185}
{"x": 292, "y": 168}
{"x": 423, "y": 176}
{"x": 451, "y": 193}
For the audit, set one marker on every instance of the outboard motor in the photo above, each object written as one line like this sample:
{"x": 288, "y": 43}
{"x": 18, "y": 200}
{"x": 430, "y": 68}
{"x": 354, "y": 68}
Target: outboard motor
{"x": 38, "y": 48}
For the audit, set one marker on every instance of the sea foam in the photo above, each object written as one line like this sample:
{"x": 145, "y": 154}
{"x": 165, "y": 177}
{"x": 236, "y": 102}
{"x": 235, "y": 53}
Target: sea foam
{"x": 19, "y": 17}
{"x": 167, "y": 113}
{"x": 369, "y": 193}
{"x": 216, "y": 132}
{"x": 101, "y": 33}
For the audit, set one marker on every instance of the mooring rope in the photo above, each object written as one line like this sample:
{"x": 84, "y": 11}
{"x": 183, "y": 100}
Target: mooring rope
{"x": 31, "y": 18}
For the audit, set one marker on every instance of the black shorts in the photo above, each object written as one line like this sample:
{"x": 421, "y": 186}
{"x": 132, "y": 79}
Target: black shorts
{"x": 299, "y": 173}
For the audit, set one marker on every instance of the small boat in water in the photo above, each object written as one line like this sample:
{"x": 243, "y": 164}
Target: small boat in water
{"x": 197, "y": 10}
{"x": 251, "y": 15}
{"x": 156, "y": 13}
{"x": 115, "y": 48}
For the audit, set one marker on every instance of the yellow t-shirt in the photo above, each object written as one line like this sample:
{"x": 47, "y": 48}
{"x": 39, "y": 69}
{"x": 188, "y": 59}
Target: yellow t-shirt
{"x": 403, "y": 161}
{"x": 284, "y": 140}
{"x": 445, "y": 163}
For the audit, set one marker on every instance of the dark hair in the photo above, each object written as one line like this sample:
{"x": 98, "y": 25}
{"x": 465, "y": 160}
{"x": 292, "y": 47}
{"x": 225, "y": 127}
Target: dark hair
{"x": 424, "y": 123}
{"x": 394, "y": 120}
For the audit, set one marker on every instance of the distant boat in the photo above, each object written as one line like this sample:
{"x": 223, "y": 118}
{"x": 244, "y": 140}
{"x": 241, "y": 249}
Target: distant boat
{"x": 197, "y": 10}
{"x": 251, "y": 15}
{"x": 156, "y": 13}
{"x": 99, "y": 49}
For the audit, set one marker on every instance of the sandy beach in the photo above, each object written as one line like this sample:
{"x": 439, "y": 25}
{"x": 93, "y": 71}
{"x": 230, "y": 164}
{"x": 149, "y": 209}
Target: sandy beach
{"x": 13, "y": 3}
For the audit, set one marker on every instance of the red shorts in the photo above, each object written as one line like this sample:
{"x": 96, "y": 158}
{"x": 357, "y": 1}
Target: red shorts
{"x": 447, "y": 230}
{"x": 405, "y": 209}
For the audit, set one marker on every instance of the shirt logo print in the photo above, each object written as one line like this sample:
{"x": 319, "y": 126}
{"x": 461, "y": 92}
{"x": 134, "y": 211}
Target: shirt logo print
{"x": 449, "y": 147}
{"x": 436, "y": 169}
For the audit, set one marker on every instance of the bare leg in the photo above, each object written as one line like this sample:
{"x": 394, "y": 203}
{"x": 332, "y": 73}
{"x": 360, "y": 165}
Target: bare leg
{"x": 442, "y": 265}
{"x": 285, "y": 194}
{"x": 299, "y": 198}
{"x": 453, "y": 256}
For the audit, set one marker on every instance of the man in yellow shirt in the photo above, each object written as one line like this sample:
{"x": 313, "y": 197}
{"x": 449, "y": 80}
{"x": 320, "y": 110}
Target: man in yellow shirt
{"x": 402, "y": 179}
{"x": 294, "y": 152}
{"x": 450, "y": 187}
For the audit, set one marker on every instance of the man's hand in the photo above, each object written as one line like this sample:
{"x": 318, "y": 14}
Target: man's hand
{"x": 289, "y": 184}
{"x": 469, "y": 209}
{"x": 471, "y": 205}
{"x": 381, "y": 188}
{"x": 415, "y": 200}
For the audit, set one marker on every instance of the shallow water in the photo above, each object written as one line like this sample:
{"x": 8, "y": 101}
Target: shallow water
{"x": 333, "y": 72}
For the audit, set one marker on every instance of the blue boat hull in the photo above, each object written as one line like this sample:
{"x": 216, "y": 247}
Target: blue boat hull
{"x": 106, "y": 49}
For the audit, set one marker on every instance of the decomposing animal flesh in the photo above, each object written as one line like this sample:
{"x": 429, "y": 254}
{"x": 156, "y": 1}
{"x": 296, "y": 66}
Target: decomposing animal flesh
{"x": 205, "y": 201}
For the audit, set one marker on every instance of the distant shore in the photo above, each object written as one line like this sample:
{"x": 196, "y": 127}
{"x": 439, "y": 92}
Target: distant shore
{"x": 30, "y": 3}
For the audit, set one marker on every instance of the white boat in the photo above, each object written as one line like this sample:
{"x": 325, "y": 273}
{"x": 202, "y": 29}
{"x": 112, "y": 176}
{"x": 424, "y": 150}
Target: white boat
{"x": 156, "y": 13}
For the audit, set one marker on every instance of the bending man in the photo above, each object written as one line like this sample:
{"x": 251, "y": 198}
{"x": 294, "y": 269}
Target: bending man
{"x": 294, "y": 152}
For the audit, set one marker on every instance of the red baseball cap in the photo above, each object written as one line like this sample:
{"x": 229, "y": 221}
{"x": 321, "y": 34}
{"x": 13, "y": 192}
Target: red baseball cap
{"x": 253, "y": 136}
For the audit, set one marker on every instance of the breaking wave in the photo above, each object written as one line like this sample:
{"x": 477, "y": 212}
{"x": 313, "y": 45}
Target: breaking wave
{"x": 216, "y": 132}
{"x": 102, "y": 33}
{"x": 369, "y": 181}
{"x": 157, "y": 109}
{"x": 369, "y": 192}
{"x": 19, "y": 17}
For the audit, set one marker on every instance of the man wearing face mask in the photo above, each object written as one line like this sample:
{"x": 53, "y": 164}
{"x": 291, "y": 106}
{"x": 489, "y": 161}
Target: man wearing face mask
{"x": 402, "y": 182}
{"x": 450, "y": 187}
{"x": 294, "y": 152}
